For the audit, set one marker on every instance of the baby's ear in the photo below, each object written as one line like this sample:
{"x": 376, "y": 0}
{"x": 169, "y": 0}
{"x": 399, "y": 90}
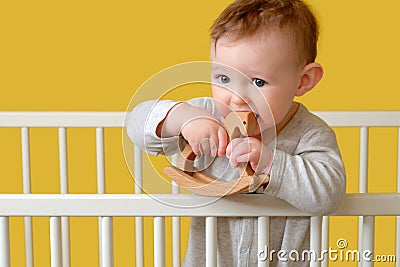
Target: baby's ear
{"x": 311, "y": 75}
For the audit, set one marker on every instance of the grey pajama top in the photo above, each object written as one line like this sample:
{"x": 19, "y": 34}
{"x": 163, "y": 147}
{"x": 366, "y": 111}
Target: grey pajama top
{"x": 307, "y": 172}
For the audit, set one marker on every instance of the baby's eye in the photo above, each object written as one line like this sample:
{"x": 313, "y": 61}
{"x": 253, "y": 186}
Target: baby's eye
{"x": 224, "y": 79}
{"x": 258, "y": 82}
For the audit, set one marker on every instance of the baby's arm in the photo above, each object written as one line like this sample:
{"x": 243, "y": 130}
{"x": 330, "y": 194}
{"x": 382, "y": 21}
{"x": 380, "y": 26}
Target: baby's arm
{"x": 199, "y": 128}
{"x": 313, "y": 178}
{"x": 158, "y": 126}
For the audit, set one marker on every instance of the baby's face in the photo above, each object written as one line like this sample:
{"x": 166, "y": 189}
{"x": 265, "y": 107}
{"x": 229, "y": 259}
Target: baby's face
{"x": 257, "y": 74}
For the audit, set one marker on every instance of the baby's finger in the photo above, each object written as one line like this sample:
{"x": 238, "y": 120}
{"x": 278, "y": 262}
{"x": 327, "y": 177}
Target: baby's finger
{"x": 253, "y": 158}
{"x": 228, "y": 150}
{"x": 195, "y": 148}
{"x": 222, "y": 141}
{"x": 205, "y": 147}
{"x": 213, "y": 145}
{"x": 243, "y": 158}
{"x": 232, "y": 145}
{"x": 238, "y": 148}
{"x": 209, "y": 146}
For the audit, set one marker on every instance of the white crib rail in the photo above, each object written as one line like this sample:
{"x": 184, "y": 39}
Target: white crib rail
{"x": 105, "y": 206}
{"x": 111, "y": 205}
{"x": 116, "y": 119}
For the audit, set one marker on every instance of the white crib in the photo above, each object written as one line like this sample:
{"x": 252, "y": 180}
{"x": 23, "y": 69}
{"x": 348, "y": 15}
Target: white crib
{"x": 59, "y": 207}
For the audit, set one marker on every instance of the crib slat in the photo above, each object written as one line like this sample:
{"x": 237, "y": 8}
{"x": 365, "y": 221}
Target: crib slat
{"x": 26, "y": 168}
{"x": 138, "y": 220}
{"x": 174, "y": 188}
{"x": 398, "y": 191}
{"x": 100, "y": 160}
{"x": 100, "y": 235}
{"x": 176, "y": 242}
{"x": 263, "y": 242}
{"x": 65, "y": 238}
{"x": 4, "y": 242}
{"x": 315, "y": 240}
{"x": 325, "y": 239}
{"x": 104, "y": 223}
{"x": 28, "y": 241}
{"x": 159, "y": 242}
{"x": 62, "y": 150}
{"x": 363, "y": 181}
{"x": 26, "y": 181}
{"x": 360, "y": 236}
{"x": 100, "y": 183}
{"x": 139, "y": 241}
{"x": 107, "y": 251}
{"x": 398, "y": 241}
{"x": 176, "y": 232}
{"x": 55, "y": 242}
{"x": 138, "y": 174}
{"x": 211, "y": 241}
{"x": 368, "y": 238}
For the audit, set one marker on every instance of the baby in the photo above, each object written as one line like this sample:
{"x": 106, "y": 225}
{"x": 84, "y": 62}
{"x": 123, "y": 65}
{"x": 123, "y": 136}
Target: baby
{"x": 263, "y": 54}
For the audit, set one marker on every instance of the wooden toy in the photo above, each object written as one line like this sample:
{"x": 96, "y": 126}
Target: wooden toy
{"x": 185, "y": 175}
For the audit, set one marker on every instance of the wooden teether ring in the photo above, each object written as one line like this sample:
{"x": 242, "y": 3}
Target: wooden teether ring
{"x": 236, "y": 124}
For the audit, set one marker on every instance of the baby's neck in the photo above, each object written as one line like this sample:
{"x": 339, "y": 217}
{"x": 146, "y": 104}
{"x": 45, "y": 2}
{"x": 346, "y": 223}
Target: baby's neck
{"x": 293, "y": 109}
{"x": 279, "y": 127}
{"x": 270, "y": 134}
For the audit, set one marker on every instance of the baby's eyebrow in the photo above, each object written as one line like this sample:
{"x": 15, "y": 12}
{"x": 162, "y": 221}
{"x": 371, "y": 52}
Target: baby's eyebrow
{"x": 224, "y": 69}
{"x": 254, "y": 72}
{"x": 259, "y": 75}
{"x": 218, "y": 67}
{"x": 232, "y": 72}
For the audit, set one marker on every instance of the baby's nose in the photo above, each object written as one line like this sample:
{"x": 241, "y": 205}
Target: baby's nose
{"x": 240, "y": 99}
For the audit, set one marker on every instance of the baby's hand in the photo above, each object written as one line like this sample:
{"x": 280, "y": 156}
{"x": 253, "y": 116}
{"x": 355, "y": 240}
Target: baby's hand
{"x": 204, "y": 133}
{"x": 251, "y": 150}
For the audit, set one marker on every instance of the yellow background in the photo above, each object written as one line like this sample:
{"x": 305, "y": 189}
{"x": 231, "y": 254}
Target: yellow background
{"x": 92, "y": 56}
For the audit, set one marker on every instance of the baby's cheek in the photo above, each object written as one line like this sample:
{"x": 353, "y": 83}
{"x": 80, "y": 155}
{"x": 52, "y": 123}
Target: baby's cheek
{"x": 277, "y": 111}
{"x": 221, "y": 107}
